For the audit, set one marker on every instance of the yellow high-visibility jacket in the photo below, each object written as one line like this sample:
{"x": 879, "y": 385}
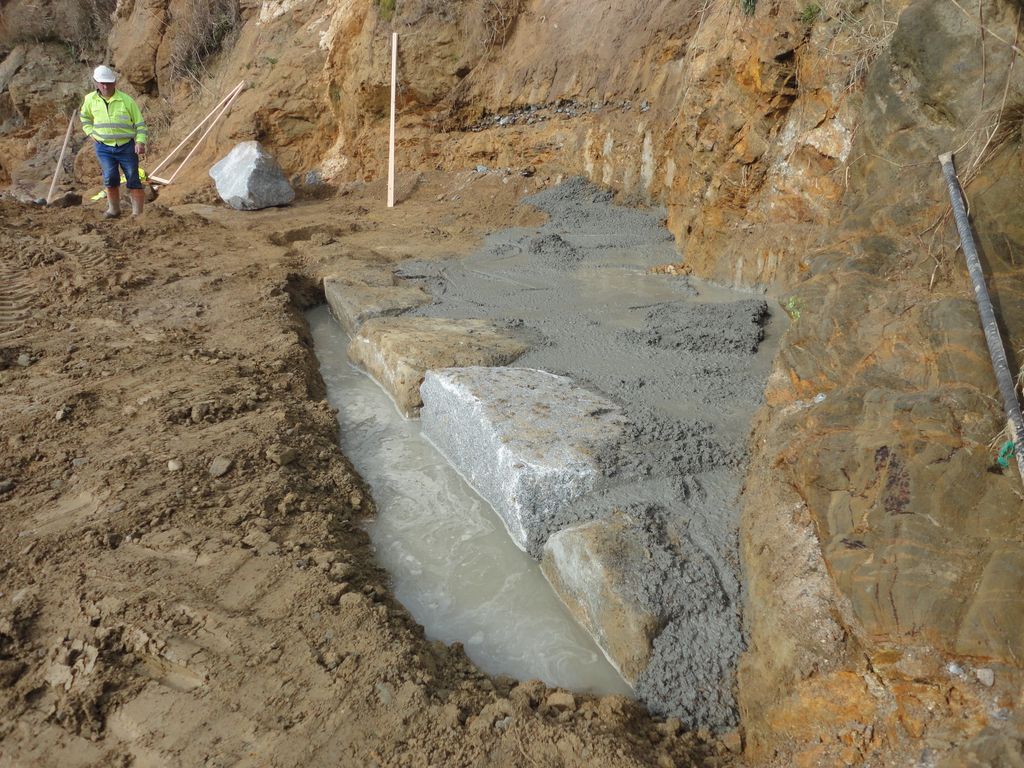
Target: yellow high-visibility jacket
{"x": 113, "y": 122}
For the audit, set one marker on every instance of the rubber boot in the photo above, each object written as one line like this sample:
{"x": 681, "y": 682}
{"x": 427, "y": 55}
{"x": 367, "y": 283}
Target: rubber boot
{"x": 138, "y": 201}
{"x": 113, "y": 203}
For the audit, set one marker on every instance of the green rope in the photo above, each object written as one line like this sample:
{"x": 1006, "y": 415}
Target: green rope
{"x": 1006, "y": 453}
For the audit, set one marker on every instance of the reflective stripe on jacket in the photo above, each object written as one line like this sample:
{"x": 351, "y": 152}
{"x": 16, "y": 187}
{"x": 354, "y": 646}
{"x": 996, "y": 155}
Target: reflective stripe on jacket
{"x": 113, "y": 122}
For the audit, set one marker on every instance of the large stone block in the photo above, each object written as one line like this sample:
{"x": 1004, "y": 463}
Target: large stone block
{"x": 364, "y": 273}
{"x": 528, "y": 441}
{"x": 592, "y": 568}
{"x": 397, "y": 352}
{"x": 135, "y": 40}
{"x": 249, "y": 178}
{"x": 352, "y": 305}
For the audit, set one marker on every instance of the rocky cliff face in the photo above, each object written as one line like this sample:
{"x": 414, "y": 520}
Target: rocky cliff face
{"x": 795, "y": 150}
{"x": 883, "y": 408}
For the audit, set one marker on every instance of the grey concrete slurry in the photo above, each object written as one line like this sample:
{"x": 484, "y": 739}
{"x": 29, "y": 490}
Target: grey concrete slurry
{"x": 653, "y": 567}
{"x": 735, "y": 327}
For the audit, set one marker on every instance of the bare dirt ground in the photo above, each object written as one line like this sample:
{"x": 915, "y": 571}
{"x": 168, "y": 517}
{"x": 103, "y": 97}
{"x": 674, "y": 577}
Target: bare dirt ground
{"x": 184, "y": 579}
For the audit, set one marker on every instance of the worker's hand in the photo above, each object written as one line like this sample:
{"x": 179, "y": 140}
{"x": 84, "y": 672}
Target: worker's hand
{"x": 140, "y": 149}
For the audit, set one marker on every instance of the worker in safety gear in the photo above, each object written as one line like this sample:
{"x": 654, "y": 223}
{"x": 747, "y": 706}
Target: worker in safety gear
{"x": 113, "y": 120}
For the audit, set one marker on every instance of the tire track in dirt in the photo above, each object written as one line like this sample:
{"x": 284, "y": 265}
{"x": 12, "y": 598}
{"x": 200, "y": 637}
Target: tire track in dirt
{"x": 20, "y": 256}
{"x": 20, "y": 260}
{"x": 88, "y": 250}
{"x": 17, "y": 296}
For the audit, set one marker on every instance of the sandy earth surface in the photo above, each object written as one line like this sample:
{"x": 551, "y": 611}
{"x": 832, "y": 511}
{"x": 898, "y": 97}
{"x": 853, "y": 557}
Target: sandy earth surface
{"x": 185, "y": 580}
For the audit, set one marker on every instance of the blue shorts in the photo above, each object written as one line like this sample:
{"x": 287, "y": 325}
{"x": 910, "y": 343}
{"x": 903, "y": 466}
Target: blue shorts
{"x": 124, "y": 156}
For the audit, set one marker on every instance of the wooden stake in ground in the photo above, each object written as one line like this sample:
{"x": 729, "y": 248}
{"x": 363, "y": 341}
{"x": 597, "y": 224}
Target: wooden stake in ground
{"x": 60, "y": 159}
{"x": 988, "y": 316}
{"x": 391, "y": 142}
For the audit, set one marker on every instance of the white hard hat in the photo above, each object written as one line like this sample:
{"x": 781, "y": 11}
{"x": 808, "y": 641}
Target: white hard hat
{"x": 104, "y": 74}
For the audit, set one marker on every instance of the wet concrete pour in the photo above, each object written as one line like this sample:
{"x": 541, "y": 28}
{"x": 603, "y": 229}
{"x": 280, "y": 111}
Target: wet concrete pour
{"x": 687, "y": 364}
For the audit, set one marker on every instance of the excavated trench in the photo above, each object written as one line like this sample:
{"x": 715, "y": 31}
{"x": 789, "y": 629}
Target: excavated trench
{"x": 600, "y": 412}
{"x": 451, "y": 562}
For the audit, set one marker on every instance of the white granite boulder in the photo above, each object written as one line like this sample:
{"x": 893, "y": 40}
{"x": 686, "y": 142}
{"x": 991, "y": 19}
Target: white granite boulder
{"x": 249, "y": 178}
{"x": 528, "y": 441}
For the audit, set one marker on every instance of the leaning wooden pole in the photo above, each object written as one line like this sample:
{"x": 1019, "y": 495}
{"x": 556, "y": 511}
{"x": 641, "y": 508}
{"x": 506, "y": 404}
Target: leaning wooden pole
{"x": 1000, "y": 364}
{"x": 198, "y": 127}
{"x": 60, "y": 159}
{"x": 391, "y": 139}
{"x": 202, "y": 138}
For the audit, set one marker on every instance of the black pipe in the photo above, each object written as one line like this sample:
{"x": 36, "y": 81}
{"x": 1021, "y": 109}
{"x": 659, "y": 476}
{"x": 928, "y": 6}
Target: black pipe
{"x": 1000, "y": 365}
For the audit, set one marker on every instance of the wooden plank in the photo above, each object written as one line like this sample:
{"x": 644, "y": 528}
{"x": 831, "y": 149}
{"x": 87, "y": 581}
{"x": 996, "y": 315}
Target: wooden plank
{"x": 231, "y": 94}
{"x": 391, "y": 142}
{"x": 206, "y": 133}
{"x": 60, "y": 160}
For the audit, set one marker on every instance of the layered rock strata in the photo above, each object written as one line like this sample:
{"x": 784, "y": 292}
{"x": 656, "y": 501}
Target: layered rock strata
{"x": 893, "y": 597}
